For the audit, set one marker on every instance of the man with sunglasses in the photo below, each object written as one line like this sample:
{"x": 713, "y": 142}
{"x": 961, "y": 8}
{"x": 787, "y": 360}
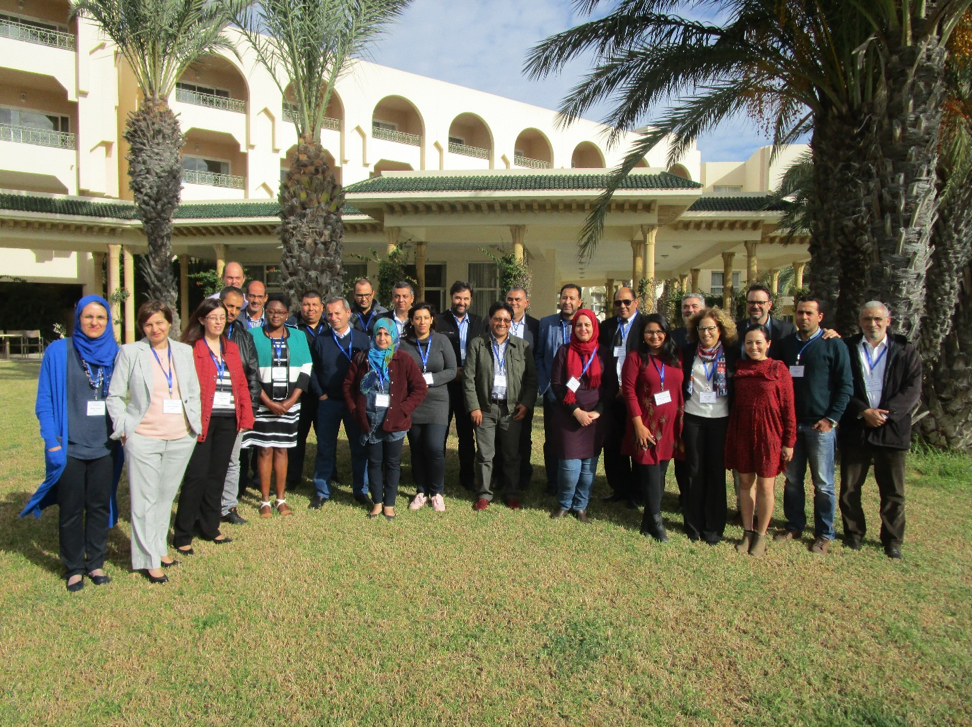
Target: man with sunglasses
{"x": 620, "y": 336}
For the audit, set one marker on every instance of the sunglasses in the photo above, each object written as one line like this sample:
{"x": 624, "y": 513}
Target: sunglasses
{"x": 626, "y": 302}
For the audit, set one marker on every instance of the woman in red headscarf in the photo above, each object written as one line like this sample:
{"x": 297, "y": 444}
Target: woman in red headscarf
{"x": 578, "y": 429}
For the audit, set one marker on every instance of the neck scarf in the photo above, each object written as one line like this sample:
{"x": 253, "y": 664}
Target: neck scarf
{"x": 378, "y": 359}
{"x": 713, "y": 357}
{"x": 98, "y": 351}
{"x": 578, "y": 353}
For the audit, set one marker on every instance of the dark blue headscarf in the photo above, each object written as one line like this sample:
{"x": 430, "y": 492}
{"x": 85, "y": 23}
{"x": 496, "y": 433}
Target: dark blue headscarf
{"x": 98, "y": 351}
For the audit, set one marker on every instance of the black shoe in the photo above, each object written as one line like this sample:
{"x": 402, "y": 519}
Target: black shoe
{"x": 101, "y": 580}
{"x": 893, "y": 551}
{"x": 853, "y": 542}
{"x": 222, "y": 541}
{"x": 363, "y": 499}
{"x": 159, "y": 579}
{"x": 633, "y": 505}
{"x": 615, "y": 497}
{"x": 173, "y": 564}
{"x": 188, "y": 551}
{"x": 74, "y": 587}
{"x": 233, "y": 517}
{"x": 317, "y": 502}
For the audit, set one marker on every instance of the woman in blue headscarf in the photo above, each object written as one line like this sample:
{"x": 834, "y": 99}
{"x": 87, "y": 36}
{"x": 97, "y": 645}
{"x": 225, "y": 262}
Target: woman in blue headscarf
{"x": 83, "y": 463}
{"x": 382, "y": 389}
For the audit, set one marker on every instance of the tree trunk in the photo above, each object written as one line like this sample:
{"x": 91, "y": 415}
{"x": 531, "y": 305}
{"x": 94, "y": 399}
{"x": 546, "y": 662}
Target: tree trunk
{"x": 155, "y": 177}
{"x": 311, "y": 229}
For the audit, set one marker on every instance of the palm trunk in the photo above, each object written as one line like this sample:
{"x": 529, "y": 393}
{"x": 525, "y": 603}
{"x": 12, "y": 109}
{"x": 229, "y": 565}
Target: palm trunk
{"x": 311, "y": 229}
{"x": 155, "y": 172}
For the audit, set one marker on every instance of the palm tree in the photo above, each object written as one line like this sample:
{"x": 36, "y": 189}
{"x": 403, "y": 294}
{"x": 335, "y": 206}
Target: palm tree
{"x": 159, "y": 39}
{"x": 309, "y": 44}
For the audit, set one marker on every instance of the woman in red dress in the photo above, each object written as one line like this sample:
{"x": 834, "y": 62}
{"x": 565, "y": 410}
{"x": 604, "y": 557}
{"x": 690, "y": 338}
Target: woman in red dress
{"x": 762, "y": 432}
{"x": 651, "y": 384}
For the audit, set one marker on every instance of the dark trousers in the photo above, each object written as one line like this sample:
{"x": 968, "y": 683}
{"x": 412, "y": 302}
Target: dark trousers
{"x": 427, "y": 445}
{"x": 384, "y": 470}
{"x": 248, "y": 464}
{"x": 526, "y": 452}
{"x": 704, "y": 508}
{"x": 651, "y": 482}
{"x": 889, "y": 471}
{"x": 681, "y": 479}
{"x": 83, "y": 497}
{"x": 464, "y": 431}
{"x": 295, "y": 455}
{"x": 202, "y": 486}
{"x": 617, "y": 466}
{"x": 551, "y": 462}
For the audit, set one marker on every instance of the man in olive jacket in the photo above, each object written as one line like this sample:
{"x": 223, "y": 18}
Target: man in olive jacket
{"x": 876, "y": 426}
{"x": 500, "y": 388}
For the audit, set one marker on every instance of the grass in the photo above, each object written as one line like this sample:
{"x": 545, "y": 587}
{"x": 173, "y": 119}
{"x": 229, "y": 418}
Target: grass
{"x": 496, "y": 618}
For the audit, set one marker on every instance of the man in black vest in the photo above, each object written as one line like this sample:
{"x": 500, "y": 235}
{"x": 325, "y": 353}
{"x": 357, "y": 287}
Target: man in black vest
{"x": 876, "y": 426}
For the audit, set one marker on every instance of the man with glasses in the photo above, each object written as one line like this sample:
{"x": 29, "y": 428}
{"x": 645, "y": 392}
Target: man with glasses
{"x": 365, "y": 310}
{"x": 555, "y": 331}
{"x": 256, "y": 298}
{"x": 500, "y": 387}
{"x": 620, "y": 336}
{"x": 759, "y": 304}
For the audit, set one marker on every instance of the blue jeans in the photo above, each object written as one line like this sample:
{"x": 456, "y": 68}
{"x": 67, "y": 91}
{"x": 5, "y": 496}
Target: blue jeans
{"x": 574, "y": 480}
{"x": 330, "y": 414}
{"x": 817, "y": 449}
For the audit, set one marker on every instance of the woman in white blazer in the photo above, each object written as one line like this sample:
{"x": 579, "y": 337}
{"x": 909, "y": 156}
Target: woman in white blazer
{"x": 154, "y": 406}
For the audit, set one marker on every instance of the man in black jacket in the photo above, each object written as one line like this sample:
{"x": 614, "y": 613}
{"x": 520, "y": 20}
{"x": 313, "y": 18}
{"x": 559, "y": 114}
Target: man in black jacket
{"x": 365, "y": 310}
{"x": 239, "y": 465}
{"x": 759, "y": 303}
{"x": 876, "y": 426}
{"x": 311, "y": 322}
{"x": 692, "y": 303}
{"x": 461, "y": 327}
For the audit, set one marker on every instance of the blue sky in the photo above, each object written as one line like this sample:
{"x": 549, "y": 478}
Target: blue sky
{"x": 482, "y": 44}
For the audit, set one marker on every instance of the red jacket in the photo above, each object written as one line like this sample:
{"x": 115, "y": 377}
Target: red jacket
{"x": 206, "y": 370}
{"x": 406, "y": 386}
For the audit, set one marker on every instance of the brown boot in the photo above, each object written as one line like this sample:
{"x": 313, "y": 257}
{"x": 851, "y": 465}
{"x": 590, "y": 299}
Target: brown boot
{"x": 747, "y": 539}
{"x": 758, "y": 547}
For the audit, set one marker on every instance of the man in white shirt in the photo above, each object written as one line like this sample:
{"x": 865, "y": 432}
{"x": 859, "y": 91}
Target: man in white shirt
{"x": 256, "y": 298}
{"x": 403, "y": 296}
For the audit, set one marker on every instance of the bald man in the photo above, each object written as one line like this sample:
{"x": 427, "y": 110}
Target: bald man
{"x": 233, "y": 277}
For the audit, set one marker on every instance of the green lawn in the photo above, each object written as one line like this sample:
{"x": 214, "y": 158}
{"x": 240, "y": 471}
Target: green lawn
{"x": 498, "y": 617}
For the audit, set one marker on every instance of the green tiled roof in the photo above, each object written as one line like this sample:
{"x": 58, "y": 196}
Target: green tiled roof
{"x": 516, "y": 183}
{"x": 737, "y": 204}
{"x": 223, "y": 210}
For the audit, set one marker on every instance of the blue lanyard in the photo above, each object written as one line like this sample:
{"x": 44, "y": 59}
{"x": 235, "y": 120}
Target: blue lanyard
{"x": 96, "y": 385}
{"x": 867, "y": 353}
{"x": 337, "y": 342}
{"x": 565, "y": 331}
{"x": 320, "y": 327}
{"x": 813, "y": 338}
{"x": 588, "y": 364}
{"x": 425, "y": 356}
{"x": 661, "y": 370}
{"x": 366, "y": 323}
{"x": 168, "y": 374}
{"x": 709, "y": 373}
{"x": 381, "y": 381}
{"x": 500, "y": 361}
{"x": 463, "y": 327}
{"x": 278, "y": 346}
{"x": 517, "y": 328}
{"x": 625, "y": 330}
{"x": 219, "y": 363}
{"x": 229, "y": 330}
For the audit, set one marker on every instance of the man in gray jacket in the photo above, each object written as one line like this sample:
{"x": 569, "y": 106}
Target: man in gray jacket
{"x": 500, "y": 388}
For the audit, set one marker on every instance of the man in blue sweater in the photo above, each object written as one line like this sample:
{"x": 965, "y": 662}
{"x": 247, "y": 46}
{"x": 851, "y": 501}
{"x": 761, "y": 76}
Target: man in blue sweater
{"x": 332, "y": 352}
{"x": 822, "y": 386}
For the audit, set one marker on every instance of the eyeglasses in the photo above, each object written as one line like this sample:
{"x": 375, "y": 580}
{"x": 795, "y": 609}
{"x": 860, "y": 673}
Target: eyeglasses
{"x": 707, "y": 329}
{"x": 625, "y": 302}
{"x": 216, "y": 319}
{"x": 758, "y": 302}
{"x": 276, "y": 313}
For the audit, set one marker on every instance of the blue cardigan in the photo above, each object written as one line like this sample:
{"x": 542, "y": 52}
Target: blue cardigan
{"x": 51, "y": 410}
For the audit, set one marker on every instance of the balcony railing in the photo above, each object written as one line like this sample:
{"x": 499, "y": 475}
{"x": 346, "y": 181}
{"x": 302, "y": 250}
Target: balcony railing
{"x": 468, "y": 151}
{"x": 210, "y": 101}
{"x": 210, "y": 179}
{"x": 399, "y": 137}
{"x": 290, "y": 114}
{"x": 32, "y": 34}
{"x": 522, "y": 161}
{"x": 39, "y": 137}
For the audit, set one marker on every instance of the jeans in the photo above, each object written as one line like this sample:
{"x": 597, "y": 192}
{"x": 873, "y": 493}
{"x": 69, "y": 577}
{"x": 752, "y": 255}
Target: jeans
{"x": 427, "y": 444}
{"x": 574, "y": 480}
{"x": 818, "y": 449}
{"x": 330, "y": 414}
{"x": 384, "y": 470}
{"x": 234, "y": 477}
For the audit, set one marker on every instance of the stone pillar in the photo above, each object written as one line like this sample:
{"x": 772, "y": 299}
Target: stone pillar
{"x": 683, "y": 282}
{"x": 752, "y": 263}
{"x": 130, "y": 298}
{"x": 695, "y": 280}
{"x": 220, "y": 249}
{"x": 391, "y": 237}
{"x": 650, "y": 232}
{"x": 518, "y": 233}
{"x": 775, "y": 281}
{"x": 798, "y": 274}
{"x": 609, "y": 291}
{"x": 184, "y": 287}
{"x": 98, "y": 262}
{"x": 637, "y": 262}
{"x": 114, "y": 283}
{"x": 727, "y": 291}
{"x": 420, "y": 248}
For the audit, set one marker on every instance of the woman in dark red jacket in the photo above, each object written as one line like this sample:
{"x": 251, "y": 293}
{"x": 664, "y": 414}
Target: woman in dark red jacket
{"x": 226, "y": 411}
{"x": 382, "y": 389}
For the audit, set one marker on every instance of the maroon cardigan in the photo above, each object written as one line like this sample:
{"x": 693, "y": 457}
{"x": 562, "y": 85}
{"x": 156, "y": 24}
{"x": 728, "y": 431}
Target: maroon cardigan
{"x": 405, "y": 384}
{"x": 206, "y": 370}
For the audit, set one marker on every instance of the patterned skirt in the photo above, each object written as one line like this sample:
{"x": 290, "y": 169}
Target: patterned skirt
{"x": 273, "y": 431}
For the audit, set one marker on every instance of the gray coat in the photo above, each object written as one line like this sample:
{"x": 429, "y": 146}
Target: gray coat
{"x": 130, "y": 392}
{"x": 442, "y": 366}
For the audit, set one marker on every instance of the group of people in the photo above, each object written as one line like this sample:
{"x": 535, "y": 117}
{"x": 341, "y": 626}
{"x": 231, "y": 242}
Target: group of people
{"x": 232, "y": 402}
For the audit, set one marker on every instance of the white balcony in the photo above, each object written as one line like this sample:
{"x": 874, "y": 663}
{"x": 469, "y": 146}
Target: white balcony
{"x": 37, "y": 137}
{"x": 211, "y": 101}
{"x": 398, "y": 137}
{"x": 527, "y": 162}
{"x": 39, "y": 36}
{"x": 211, "y": 118}
{"x": 50, "y": 166}
{"x": 38, "y": 59}
{"x": 197, "y": 186}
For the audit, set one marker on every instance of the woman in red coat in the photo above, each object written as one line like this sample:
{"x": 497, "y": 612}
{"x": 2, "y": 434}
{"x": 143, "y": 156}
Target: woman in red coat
{"x": 226, "y": 411}
{"x": 651, "y": 384}
{"x": 762, "y": 432}
{"x": 382, "y": 389}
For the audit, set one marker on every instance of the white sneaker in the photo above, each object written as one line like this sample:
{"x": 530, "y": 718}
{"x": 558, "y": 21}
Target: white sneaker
{"x": 438, "y": 503}
{"x": 419, "y": 502}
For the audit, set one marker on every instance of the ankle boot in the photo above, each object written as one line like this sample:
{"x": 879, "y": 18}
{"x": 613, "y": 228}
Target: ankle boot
{"x": 758, "y": 547}
{"x": 746, "y": 542}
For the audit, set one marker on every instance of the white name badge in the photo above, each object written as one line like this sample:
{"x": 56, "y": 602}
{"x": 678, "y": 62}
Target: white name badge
{"x": 573, "y": 384}
{"x": 428, "y": 378}
{"x": 499, "y": 381}
{"x": 171, "y": 406}
{"x": 707, "y": 397}
{"x": 796, "y": 372}
{"x": 462, "y": 355}
{"x": 664, "y": 397}
{"x": 382, "y": 401}
{"x": 278, "y": 373}
{"x": 223, "y": 400}
{"x": 619, "y": 352}
{"x": 96, "y": 409}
